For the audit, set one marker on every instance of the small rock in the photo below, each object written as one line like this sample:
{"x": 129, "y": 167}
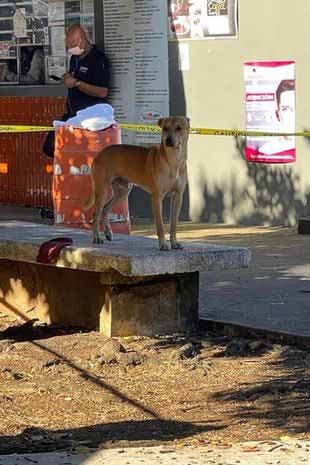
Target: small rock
{"x": 7, "y": 345}
{"x": 292, "y": 352}
{"x": 186, "y": 351}
{"x": 237, "y": 347}
{"x": 257, "y": 346}
{"x": 107, "y": 359}
{"x": 112, "y": 345}
{"x": 37, "y": 437}
{"x": 52, "y": 363}
{"x": 111, "y": 352}
{"x": 12, "y": 374}
{"x": 277, "y": 348}
{"x": 167, "y": 451}
{"x": 245, "y": 347}
{"x": 132, "y": 359}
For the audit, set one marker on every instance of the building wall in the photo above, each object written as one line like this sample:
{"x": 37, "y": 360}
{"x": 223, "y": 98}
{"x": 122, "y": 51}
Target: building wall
{"x": 223, "y": 187}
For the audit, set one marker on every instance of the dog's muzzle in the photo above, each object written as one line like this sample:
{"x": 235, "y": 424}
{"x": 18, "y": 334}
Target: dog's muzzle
{"x": 169, "y": 142}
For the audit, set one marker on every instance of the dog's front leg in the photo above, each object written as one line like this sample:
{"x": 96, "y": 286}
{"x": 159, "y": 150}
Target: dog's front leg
{"x": 157, "y": 201}
{"x": 175, "y": 207}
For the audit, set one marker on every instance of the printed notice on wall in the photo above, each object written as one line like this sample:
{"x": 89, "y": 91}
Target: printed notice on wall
{"x": 202, "y": 19}
{"x": 20, "y": 23}
{"x": 270, "y": 106}
{"x": 56, "y": 66}
{"x": 58, "y": 41}
{"x": 56, "y": 12}
{"x": 137, "y": 46}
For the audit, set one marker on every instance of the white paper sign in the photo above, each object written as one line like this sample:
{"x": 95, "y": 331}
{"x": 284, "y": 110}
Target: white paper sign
{"x": 56, "y": 66}
{"x": 20, "y": 23}
{"x": 58, "y": 40}
{"x": 56, "y": 11}
{"x": 137, "y": 45}
{"x": 202, "y": 19}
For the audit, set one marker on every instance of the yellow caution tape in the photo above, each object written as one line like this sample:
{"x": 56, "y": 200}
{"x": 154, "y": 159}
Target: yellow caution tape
{"x": 216, "y": 132}
{"x": 140, "y": 127}
{"x": 18, "y": 128}
{"x": 157, "y": 129}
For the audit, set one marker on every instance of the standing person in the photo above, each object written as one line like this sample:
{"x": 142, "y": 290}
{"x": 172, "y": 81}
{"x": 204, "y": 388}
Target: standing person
{"x": 87, "y": 81}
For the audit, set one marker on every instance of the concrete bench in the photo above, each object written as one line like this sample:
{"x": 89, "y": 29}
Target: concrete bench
{"x": 126, "y": 287}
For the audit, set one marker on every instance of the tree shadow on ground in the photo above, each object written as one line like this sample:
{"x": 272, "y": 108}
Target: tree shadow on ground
{"x": 281, "y": 400}
{"x": 273, "y": 195}
{"x": 124, "y": 433}
{"x": 31, "y": 331}
{"x": 277, "y": 402}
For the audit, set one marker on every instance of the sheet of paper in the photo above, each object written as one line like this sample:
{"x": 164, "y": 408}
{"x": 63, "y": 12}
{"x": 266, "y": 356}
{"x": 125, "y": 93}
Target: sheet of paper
{"x": 20, "y": 23}
{"x": 40, "y": 8}
{"x": 56, "y": 66}
{"x": 56, "y": 11}
{"x": 58, "y": 42}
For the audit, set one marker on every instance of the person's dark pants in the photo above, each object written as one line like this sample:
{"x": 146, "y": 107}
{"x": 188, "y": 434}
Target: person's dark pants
{"x": 49, "y": 143}
{"x": 49, "y": 149}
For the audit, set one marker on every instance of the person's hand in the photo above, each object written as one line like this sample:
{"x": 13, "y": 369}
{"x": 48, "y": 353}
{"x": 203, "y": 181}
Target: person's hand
{"x": 69, "y": 81}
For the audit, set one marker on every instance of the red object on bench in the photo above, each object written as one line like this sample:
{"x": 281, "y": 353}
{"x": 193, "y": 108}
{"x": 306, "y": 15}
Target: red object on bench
{"x": 50, "y": 250}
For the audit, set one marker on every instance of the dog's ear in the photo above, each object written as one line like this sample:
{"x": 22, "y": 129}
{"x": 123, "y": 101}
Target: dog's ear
{"x": 160, "y": 122}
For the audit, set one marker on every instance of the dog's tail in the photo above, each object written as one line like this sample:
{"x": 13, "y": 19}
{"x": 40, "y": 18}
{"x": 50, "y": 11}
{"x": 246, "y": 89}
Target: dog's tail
{"x": 91, "y": 200}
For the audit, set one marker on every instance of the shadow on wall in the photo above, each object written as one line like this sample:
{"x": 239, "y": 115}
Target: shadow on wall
{"x": 139, "y": 201}
{"x": 272, "y": 196}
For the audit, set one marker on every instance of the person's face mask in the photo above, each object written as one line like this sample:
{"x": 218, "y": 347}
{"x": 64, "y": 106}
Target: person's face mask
{"x": 77, "y": 51}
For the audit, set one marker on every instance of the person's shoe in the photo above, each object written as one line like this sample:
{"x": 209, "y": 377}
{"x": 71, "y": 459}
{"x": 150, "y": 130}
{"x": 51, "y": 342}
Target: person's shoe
{"x": 47, "y": 214}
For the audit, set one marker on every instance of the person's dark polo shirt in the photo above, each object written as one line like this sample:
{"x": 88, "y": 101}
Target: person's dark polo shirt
{"x": 92, "y": 69}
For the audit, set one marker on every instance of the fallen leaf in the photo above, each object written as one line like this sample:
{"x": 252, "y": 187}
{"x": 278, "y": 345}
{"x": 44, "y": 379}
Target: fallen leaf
{"x": 251, "y": 449}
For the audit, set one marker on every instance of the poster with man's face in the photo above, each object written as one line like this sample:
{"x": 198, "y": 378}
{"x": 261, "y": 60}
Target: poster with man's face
{"x": 270, "y": 107}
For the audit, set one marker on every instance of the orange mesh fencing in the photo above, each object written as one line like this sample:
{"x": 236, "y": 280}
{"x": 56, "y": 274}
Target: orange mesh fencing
{"x": 25, "y": 172}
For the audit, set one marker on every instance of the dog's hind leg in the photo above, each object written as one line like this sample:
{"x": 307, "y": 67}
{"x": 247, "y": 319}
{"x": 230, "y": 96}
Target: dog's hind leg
{"x": 121, "y": 190}
{"x": 100, "y": 200}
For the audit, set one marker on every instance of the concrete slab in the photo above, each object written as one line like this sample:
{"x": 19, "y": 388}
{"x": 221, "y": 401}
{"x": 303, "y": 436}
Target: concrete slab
{"x": 271, "y": 295}
{"x": 128, "y": 255}
{"x": 256, "y": 453}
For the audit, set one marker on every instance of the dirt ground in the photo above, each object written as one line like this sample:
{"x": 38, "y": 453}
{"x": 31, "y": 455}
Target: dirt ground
{"x": 62, "y": 389}
{"x": 67, "y": 389}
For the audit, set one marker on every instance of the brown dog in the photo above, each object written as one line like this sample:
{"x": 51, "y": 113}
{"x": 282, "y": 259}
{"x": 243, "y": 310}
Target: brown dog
{"x": 159, "y": 170}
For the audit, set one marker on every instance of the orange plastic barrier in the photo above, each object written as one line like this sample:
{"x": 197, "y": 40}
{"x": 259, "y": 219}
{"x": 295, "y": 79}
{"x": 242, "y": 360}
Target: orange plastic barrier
{"x": 75, "y": 149}
{"x": 25, "y": 172}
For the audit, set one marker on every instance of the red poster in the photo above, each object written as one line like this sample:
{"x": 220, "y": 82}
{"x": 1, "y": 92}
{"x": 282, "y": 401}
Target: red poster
{"x": 270, "y": 106}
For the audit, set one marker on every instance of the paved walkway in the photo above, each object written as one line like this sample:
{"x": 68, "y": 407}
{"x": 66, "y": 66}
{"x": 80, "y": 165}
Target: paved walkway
{"x": 273, "y": 294}
{"x": 260, "y": 453}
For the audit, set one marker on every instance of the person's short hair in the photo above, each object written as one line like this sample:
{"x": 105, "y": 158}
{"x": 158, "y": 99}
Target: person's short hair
{"x": 285, "y": 84}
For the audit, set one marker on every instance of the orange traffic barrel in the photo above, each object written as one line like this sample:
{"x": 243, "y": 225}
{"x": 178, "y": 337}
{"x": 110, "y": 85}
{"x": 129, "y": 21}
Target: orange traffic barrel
{"x": 75, "y": 150}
